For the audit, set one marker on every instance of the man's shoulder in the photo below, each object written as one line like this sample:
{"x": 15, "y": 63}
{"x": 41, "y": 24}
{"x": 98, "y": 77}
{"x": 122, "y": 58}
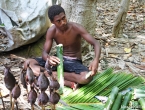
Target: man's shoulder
{"x": 75, "y": 25}
{"x": 52, "y": 27}
{"x": 51, "y": 31}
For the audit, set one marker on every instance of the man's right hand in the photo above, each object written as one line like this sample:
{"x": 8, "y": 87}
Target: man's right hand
{"x": 53, "y": 60}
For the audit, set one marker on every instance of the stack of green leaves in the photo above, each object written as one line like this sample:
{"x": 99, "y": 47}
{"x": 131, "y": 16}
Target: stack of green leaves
{"x": 98, "y": 106}
{"x": 102, "y": 85}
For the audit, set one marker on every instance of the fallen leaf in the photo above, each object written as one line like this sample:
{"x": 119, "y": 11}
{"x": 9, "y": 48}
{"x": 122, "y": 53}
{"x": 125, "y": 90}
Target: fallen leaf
{"x": 127, "y": 50}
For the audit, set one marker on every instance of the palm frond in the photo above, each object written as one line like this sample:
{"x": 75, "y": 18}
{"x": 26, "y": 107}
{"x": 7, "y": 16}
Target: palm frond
{"x": 102, "y": 85}
{"x": 82, "y": 106}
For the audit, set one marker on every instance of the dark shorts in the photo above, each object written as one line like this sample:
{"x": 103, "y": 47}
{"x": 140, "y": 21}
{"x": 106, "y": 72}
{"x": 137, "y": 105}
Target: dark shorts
{"x": 70, "y": 65}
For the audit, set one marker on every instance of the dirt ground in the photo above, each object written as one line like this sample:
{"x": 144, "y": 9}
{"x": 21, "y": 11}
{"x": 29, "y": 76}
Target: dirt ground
{"x": 126, "y": 53}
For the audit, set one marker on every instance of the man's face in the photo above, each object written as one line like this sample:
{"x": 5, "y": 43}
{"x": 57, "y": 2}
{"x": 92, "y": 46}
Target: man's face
{"x": 60, "y": 21}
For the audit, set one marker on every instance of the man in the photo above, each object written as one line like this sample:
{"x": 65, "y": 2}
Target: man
{"x": 69, "y": 34}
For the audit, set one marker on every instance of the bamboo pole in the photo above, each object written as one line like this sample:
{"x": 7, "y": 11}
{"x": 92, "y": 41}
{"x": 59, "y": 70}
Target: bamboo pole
{"x": 60, "y": 71}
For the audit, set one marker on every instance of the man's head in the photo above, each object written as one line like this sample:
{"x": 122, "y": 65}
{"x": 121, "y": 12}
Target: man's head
{"x": 57, "y": 16}
{"x": 54, "y": 10}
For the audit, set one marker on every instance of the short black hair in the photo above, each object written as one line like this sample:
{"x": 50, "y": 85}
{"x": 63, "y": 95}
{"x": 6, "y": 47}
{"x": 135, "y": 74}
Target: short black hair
{"x": 55, "y": 10}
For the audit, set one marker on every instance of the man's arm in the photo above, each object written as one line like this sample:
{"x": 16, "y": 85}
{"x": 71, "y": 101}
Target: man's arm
{"x": 94, "y": 64}
{"x": 47, "y": 47}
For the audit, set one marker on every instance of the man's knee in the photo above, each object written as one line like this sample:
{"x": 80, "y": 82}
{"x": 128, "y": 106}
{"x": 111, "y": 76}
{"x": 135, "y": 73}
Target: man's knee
{"x": 25, "y": 64}
{"x": 83, "y": 79}
{"x": 28, "y": 61}
{"x": 86, "y": 81}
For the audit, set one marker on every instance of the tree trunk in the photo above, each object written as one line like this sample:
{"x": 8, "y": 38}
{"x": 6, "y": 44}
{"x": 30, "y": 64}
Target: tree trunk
{"x": 120, "y": 19}
{"x": 82, "y": 12}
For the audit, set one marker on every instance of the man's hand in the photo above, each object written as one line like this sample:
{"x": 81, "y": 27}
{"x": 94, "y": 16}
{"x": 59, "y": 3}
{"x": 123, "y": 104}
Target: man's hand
{"x": 93, "y": 67}
{"x": 53, "y": 60}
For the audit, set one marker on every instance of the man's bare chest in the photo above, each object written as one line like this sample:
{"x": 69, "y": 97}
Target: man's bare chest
{"x": 67, "y": 38}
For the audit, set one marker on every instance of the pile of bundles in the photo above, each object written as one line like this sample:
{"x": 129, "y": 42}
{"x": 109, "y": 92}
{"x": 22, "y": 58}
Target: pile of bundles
{"x": 41, "y": 84}
{"x": 133, "y": 98}
{"x": 36, "y": 86}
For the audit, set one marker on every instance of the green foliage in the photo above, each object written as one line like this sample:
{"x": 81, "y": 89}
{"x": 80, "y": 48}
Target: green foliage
{"x": 102, "y": 85}
{"x": 60, "y": 73}
{"x": 84, "y": 106}
{"x": 2, "y": 24}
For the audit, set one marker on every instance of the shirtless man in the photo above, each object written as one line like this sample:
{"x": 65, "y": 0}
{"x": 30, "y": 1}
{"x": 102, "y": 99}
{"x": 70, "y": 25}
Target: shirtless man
{"x": 69, "y": 34}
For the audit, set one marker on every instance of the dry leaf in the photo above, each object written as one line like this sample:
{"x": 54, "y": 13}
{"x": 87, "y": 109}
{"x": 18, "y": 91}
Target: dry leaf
{"x": 127, "y": 50}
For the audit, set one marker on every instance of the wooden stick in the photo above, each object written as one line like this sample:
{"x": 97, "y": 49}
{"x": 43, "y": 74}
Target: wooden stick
{"x": 32, "y": 107}
{"x": 2, "y": 100}
{"x": 52, "y": 107}
{"x": 43, "y": 108}
{"x": 10, "y": 99}
{"x": 27, "y": 92}
{"x": 16, "y": 103}
{"x": 12, "y": 106}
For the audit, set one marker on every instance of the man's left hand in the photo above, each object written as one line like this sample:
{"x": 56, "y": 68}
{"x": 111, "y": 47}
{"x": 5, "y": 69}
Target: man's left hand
{"x": 93, "y": 67}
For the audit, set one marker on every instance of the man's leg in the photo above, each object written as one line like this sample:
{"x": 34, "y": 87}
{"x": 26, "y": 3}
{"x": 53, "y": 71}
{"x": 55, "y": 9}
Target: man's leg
{"x": 69, "y": 78}
{"x": 73, "y": 77}
{"x": 78, "y": 78}
{"x": 33, "y": 65}
{"x": 76, "y": 71}
{"x": 36, "y": 69}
